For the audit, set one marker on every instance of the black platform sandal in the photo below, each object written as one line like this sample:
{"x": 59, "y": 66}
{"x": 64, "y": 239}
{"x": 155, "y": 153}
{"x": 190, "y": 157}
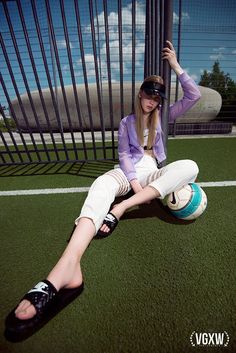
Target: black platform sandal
{"x": 47, "y": 301}
{"x": 111, "y": 221}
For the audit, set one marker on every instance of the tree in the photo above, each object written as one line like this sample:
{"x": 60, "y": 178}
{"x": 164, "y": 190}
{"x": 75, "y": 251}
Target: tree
{"x": 222, "y": 83}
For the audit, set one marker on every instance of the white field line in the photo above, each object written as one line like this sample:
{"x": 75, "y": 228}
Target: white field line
{"x": 43, "y": 191}
{"x": 85, "y": 189}
{"x": 217, "y": 183}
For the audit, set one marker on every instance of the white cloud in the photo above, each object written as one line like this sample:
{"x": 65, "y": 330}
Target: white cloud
{"x": 185, "y": 17}
{"x": 126, "y": 16}
{"x": 193, "y": 75}
{"x": 219, "y": 53}
{"x": 216, "y": 57}
{"x": 114, "y": 41}
{"x": 89, "y": 62}
{"x": 99, "y": 25}
{"x": 61, "y": 44}
{"x": 220, "y": 49}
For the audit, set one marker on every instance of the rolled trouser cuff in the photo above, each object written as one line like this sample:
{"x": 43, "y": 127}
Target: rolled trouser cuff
{"x": 101, "y": 195}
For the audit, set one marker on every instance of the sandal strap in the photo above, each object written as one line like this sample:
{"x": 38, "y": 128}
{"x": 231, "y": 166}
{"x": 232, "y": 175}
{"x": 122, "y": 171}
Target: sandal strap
{"x": 41, "y": 295}
{"x": 111, "y": 221}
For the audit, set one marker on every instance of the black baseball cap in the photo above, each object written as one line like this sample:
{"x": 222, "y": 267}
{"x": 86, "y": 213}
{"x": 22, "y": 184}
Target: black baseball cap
{"x": 153, "y": 88}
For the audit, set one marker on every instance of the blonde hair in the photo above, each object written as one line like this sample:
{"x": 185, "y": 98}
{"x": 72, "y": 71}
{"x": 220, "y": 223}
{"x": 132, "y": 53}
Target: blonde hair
{"x": 153, "y": 118}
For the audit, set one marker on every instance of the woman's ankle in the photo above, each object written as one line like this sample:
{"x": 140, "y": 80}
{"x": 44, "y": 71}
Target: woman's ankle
{"x": 125, "y": 205}
{"x": 66, "y": 274}
{"x": 119, "y": 209}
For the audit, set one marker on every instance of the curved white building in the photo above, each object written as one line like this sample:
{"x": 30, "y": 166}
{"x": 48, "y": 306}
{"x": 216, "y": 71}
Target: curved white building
{"x": 205, "y": 110}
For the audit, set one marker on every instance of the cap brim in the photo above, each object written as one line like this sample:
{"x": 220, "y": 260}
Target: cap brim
{"x": 154, "y": 92}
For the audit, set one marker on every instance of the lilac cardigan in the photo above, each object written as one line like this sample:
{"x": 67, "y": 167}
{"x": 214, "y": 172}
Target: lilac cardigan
{"x": 129, "y": 149}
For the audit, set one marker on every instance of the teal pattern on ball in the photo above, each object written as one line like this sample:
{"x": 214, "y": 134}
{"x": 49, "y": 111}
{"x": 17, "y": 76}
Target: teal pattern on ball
{"x": 192, "y": 204}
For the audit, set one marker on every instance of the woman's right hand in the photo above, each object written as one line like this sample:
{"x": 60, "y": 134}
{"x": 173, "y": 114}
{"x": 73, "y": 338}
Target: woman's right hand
{"x": 136, "y": 186}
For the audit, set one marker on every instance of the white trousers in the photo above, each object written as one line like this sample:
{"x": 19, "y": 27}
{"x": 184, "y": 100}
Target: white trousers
{"x": 114, "y": 183}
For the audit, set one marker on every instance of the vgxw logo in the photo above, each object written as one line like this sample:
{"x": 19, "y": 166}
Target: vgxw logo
{"x": 213, "y": 339}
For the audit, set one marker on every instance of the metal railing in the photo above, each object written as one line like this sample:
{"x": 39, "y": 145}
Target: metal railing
{"x": 70, "y": 71}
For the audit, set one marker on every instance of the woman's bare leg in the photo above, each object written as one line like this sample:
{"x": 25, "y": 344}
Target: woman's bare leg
{"x": 166, "y": 180}
{"x": 147, "y": 194}
{"x": 67, "y": 272}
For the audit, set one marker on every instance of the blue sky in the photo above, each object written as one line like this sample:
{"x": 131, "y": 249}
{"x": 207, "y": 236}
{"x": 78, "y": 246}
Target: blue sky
{"x": 208, "y": 34}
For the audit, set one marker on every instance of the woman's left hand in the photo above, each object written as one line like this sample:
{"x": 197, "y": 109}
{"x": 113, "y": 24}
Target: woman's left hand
{"x": 169, "y": 54}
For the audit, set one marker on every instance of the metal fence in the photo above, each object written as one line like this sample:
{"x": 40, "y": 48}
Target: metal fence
{"x": 70, "y": 71}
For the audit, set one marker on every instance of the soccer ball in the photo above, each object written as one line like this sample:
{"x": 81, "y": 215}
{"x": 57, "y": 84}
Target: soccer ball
{"x": 188, "y": 203}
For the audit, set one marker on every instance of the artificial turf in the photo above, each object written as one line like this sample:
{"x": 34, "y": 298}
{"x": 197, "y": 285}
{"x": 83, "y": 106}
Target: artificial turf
{"x": 149, "y": 285}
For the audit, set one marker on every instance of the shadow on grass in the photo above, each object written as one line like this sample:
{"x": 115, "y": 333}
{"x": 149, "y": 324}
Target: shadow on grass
{"x": 84, "y": 169}
{"x": 156, "y": 209}
{"x": 93, "y": 170}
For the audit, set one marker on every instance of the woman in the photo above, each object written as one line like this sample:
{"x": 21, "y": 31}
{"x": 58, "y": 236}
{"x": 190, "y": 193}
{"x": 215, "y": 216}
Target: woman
{"x": 140, "y": 152}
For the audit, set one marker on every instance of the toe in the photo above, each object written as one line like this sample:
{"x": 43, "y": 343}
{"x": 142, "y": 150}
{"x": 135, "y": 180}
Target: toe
{"x": 22, "y": 306}
{"x": 105, "y": 228}
{"x": 25, "y": 310}
{"x": 27, "y": 313}
{"x": 102, "y": 227}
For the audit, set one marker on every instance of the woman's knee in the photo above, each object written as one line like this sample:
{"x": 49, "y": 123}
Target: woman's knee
{"x": 104, "y": 181}
{"x": 194, "y": 167}
{"x": 191, "y": 166}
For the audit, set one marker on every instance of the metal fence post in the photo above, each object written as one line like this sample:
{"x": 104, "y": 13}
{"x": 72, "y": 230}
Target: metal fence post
{"x": 166, "y": 74}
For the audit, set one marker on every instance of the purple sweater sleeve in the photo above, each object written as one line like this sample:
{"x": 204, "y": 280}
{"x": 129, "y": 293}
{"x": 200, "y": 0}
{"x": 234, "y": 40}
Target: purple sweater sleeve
{"x": 190, "y": 97}
{"x": 125, "y": 156}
